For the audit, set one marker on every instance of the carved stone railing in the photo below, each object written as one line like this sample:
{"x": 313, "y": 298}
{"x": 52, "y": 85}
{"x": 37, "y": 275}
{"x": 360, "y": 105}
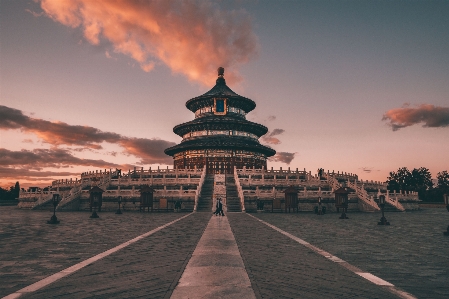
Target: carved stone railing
{"x": 394, "y": 201}
{"x": 363, "y": 195}
{"x": 239, "y": 190}
{"x": 332, "y": 181}
{"x": 198, "y": 188}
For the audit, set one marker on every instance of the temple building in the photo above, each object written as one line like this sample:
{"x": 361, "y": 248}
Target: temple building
{"x": 219, "y": 157}
{"x": 220, "y": 137}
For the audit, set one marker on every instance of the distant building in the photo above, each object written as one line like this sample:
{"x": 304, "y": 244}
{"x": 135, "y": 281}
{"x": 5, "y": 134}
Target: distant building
{"x": 220, "y": 137}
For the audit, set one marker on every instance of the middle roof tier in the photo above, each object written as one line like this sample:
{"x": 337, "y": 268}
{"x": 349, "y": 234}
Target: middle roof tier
{"x": 220, "y": 123}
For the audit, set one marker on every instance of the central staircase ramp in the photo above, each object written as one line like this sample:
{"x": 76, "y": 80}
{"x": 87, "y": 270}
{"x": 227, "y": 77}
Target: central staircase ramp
{"x": 206, "y": 198}
{"x": 232, "y": 197}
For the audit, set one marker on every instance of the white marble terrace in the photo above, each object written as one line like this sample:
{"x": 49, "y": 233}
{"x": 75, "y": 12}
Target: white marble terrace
{"x": 186, "y": 184}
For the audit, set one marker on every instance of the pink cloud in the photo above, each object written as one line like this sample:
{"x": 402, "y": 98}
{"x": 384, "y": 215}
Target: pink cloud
{"x": 430, "y": 115}
{"x": 192, "y": 37}
{"x": 270, "y": 136}
{"x": 283, "y": 157}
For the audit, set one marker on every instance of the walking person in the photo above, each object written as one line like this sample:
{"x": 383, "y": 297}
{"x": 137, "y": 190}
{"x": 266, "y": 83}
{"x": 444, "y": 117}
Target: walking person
{"x": 219, "y": 207}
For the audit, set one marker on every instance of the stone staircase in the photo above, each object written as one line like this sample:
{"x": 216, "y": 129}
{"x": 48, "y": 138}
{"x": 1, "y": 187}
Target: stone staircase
{"x": 47, "y": 206}
{"x": 207, "y": 191}
{"x": 232, "y": 197}
{"x": 44, "y": 201}
{"x": 368, "y": 201}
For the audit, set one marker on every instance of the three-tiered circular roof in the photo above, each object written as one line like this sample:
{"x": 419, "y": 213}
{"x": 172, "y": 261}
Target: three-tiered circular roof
{"x": 233, "y": 123}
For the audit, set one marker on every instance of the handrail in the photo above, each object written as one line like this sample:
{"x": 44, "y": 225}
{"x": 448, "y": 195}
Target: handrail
{"x": 42, "y": 199}
{"x": 239, "y": 190}
{"x": 363, "y": 195}
{"x": 332, "y": 181}
{"x": 198, "y": 188}
{"x": 394, "y": 202}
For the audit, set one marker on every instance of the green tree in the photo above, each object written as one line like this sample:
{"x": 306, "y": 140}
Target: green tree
{"x": 421, "y": 179}
{"x": 443, "y": 180}
{"x": 399, "y": 180}
{"x": 16, "y": 190}
{"x": 4, "y": 194}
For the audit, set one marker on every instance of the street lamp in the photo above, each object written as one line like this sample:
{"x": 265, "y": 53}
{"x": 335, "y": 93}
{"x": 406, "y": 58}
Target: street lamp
{"x": 95, "y": 204}
{"x": 320, "y": 211}
{"x": 446, "y": 202}
{"x": 345, "y": 207}
{"x": 119, "y": 202}
{"x": 383, "y": 220}
{"x": 54, "y": 219}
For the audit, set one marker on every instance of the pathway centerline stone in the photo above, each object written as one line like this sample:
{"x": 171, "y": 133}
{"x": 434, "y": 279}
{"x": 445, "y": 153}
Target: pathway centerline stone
{"x": 216, "y": 269}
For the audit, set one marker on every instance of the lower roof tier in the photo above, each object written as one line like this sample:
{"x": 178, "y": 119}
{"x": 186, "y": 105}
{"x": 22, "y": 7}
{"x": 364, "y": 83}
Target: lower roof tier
{"x": 221, "y": 142}
{"x": 220, "y": 123}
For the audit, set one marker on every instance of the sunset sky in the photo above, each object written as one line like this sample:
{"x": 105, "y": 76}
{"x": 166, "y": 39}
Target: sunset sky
{"x": 353, "y": 86}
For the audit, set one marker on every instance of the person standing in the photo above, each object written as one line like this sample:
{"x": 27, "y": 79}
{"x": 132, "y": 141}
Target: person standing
{"x": 219, "y": 209}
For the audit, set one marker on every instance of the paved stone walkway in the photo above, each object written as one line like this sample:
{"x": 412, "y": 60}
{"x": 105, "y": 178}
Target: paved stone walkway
{"x": 412, "y": 254}
{"x": 216, "y": 269}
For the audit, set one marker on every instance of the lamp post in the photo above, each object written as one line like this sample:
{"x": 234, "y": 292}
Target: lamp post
{"x": 119, "y": 202}
{"x": 383, "y": 220}
{"x": 345, "y": 208}
{"x": 95, "y": 204}
{"x": 320, "y": 211}
{"x": 54, "y": 219}
{"x": 446, "y": 201}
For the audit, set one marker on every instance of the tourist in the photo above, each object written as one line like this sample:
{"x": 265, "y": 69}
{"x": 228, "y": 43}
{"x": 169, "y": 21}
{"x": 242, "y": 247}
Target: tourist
{"x": 219, "y": 208}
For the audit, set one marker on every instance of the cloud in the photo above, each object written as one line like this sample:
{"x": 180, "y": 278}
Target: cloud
{"x": 149, "y": 150}
{"x": 191, "y": 37}
{"x": 30, "y": 175}
{"x": 432, "y": 116}
{"x": 269, "y": 137}
{"x": 40, "y": 158}
{"x": 271, "y": 118}
{"x": 283, "y": 157}
{"x": 367, "y": 169}
{"x": 9, "y": 176}
{"x": 60, "y": 133}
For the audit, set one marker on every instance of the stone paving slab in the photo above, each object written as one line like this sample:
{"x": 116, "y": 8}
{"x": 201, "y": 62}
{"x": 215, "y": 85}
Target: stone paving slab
{"x": 411, "y": 253}
{"x": 31, "y": 249}
{"x": 282, "y": 268}
{"x": 148, "y": 268}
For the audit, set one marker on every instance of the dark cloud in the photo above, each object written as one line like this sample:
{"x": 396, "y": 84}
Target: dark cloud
{"x": 40, "y": 158}
{"x": 283, "y": 157}
{"x": 60, "y": 133}
{"x": 367, "y": 169}
{"x": 149, "y": 150}
{"x": 431, "y": 116}
{"x": 30, "y": 175}
{"x": 269, "y": 137}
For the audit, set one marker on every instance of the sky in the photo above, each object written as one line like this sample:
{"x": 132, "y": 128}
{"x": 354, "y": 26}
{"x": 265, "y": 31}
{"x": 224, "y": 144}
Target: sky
{"x": 353, "y": 86}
